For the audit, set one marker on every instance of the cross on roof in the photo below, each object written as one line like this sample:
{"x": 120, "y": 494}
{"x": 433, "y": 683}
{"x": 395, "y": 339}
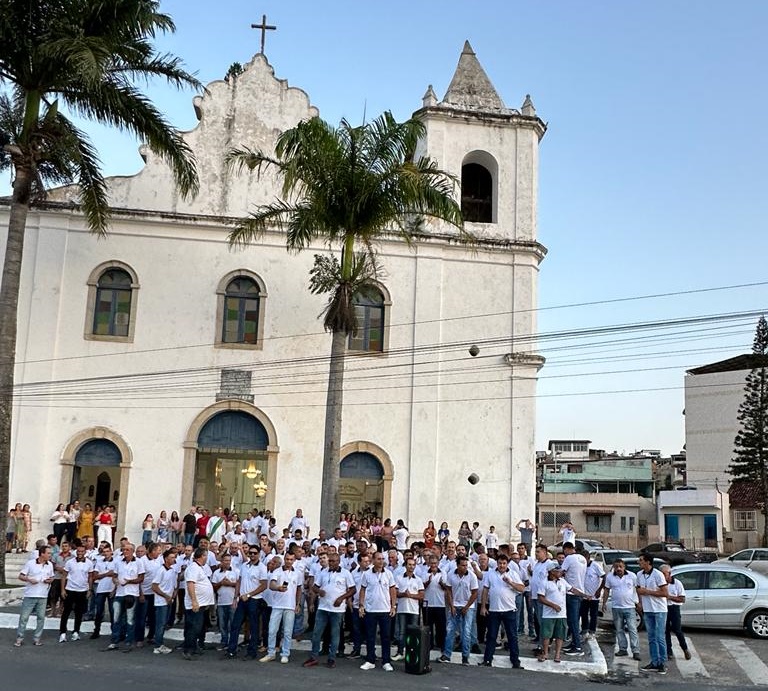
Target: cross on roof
{"x": 264, "y": 28}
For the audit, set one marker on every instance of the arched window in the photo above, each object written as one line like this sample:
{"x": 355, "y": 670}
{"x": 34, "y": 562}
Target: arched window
{"x": 111, "y": 310}
{"x": 241, "y": 311}
{"x": 370, "y": 314}
{"x": 476, "y": 193}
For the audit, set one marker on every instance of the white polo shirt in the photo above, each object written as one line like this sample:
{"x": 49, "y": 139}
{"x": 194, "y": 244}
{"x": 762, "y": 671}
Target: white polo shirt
{"x": 251, "y": 576}
{"x": 433, "y": 590}
{"x": 151, "y": 567}
{"x": 574, "y": 570}
{"x": 291, "y": 578}
{"x": 195, "y": 573}
{"x": 127, "y": 571}
{"x": 377, "y": 587}
{"x": 462, "y": 587}
{"x": 166, "y": 580}
{"x": 106, "y": 584}
{"x": 538, "y": 577}
{"x": 501, "y": 595}
{"x": 39, "y": 573}
{"x": 677, "y": 589}
{"x": 77, "y": 574}
{"x": 623, "y": 590}
{"x": 593, "y": 578}
{"x": 555, "y": 592}
{"x": 334, "y": 584}
{"x": 653, "y": 581}
{"x": 412, "y": 585}
{"x": 225, "y": 595}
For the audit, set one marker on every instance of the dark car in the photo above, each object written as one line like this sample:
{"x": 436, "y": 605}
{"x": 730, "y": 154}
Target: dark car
{"x": 586, "y": 543}
{"x": 675, "y": 553}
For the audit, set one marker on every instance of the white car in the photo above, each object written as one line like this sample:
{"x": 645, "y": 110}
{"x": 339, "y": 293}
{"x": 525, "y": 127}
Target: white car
{"x": 724, "y": 596}
{"x": 755, "y": 559}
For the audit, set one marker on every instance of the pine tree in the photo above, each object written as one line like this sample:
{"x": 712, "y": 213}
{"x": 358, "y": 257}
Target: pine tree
{"x": 750, "y": 463}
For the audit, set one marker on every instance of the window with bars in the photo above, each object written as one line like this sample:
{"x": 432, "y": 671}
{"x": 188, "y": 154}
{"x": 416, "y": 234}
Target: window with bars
{"x": 745, "y": 520}
{"x": 598, "y": 523}
{"x": 551, "y": 521}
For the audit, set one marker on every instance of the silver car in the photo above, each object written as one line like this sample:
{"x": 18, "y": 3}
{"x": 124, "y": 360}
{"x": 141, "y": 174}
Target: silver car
{"x": 755, "y": 559}
{"x": 724, "y": 596}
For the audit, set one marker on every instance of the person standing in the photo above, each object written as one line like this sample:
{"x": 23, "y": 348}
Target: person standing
{"x": 103, "y": 575}
{"x": 593, "y": 586}
{"x": 145, "y": 605}
{"x": 568, "y": 533}
{"x": 574, "y": 570}
{"x": 434, "y": 593}
{"x": 285, "y": 586}
{"x": 85, "y": 522}
{"x": 252, "y": 582}
{"x": 199, "y": 596}
{"x": 410, "y": 594}
{"x": 460, "y": 597}
{"x": 60, "y": 519}
{"x": 189, "y": 526}
{"x": 652, "y": 590}
{"x": 675, "y": 599}
{"x": 527, "y": 530}
{"x": 378, "y": 605}
{"x": 130, "y": 576}
{"x": 499, "y": 602}
{"x": 164, "y": 586}
{"x": 552, "y": 595}
{"x": 538, "y": 579}
{"x": 622, "y": 585}
{"x": 75, "y": 582}
{"x": 224, "y": 581}
{"x": 104, "y": 527}
{"x": 333, "y": 587}
{"x": 37, "y": 574}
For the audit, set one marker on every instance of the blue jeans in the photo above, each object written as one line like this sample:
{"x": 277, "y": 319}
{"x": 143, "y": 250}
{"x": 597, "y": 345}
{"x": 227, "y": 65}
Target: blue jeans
{"x": 161, "y": 617}
{"x": 254, "y": 611}
{"x": 382, "y": 621}
{"x": 324, "y": 618}
{"x": 573, "y": 614}
{"x": 123, "y": 621}
{"x": 405, "y": 619}
{"x": 472, "y": 616}
{"x": 101, "y": 600}
{"x": 189, "y": 538}
{"x": 145, "y": 615}
{"x": 656, "y": 625}
{"x": 285, "y": 617}
{"x": 507, "y": 619}
{"x": 36, "y": 606}
{"x": 225, "y": 615}
{"x": 625, "y": 616}
{"x": 525, "y": 612}
{"x": 461, "y": 623}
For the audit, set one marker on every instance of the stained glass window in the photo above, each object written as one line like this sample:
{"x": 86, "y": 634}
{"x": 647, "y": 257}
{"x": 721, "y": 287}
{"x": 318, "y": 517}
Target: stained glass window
{"x": 241, "y": 311}
{"x": 369, "y": 311}
{"x": 112, "y": 313}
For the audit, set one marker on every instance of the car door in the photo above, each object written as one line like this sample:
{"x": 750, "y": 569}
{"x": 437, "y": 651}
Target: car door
{"x": 694, "y": 582}
{"x": 728, "y": 595}
{"x": 759, "y": 561}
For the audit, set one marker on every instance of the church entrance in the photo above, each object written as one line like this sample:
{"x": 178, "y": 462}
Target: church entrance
{"x": 231, "y": 467}
{"x": 96, "y": 473}
{"x": 361, "y": 489}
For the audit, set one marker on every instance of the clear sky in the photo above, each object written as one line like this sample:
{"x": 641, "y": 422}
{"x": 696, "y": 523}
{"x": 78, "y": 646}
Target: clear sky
{"x": 652, "y": 172}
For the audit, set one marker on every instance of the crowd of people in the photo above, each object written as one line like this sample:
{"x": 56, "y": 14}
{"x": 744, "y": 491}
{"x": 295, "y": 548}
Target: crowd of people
{"x": 367, "y": 581}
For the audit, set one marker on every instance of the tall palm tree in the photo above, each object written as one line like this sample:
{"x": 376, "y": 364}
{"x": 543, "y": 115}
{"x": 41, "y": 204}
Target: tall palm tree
{"x": 346, "y": 187}
{"x": 85, "y": 55}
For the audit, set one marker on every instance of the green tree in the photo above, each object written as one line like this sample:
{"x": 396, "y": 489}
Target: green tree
{"x": 750, "y": 463}
{"x": 85, "y": 56}
{"x": 346, "y": 187}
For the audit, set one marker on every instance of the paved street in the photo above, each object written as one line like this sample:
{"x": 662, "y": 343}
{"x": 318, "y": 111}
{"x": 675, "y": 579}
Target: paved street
{"x": 724, "y": 660}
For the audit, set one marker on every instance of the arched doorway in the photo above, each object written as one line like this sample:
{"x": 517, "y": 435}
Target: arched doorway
{"x": 232, "y": 463}
{"x": 361, "y": 488}
{"x": 96, "y": 473}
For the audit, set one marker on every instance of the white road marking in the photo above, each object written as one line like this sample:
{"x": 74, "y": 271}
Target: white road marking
{"x": 750, "y": 663}
{"x": 693, "y": 668}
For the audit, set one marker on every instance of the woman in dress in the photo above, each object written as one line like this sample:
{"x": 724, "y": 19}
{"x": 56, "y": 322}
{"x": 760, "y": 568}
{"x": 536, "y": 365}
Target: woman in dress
{"x": 163, "y": 527}
{"x": 176, "y": 528}
{"x": 429, "y": 535}
{"x": 60, "y": 518}
{"x": 85, "y": 524}
{"x": 27, "y": 511}
{"x": 104, "y": 523}
{"x": 443, "y": 534}
{"x": 21, "y": 529}
{"x": 147, "y": 526}
{"x": 465, "y": 535}
{"x": 385, "y": 535}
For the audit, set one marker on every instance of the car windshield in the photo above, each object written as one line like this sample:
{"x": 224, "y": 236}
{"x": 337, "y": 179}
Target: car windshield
{"x": 675, "y": 548}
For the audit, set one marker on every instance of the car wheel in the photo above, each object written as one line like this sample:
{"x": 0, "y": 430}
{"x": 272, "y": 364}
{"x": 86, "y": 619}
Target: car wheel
{"x": 757, "y": 624}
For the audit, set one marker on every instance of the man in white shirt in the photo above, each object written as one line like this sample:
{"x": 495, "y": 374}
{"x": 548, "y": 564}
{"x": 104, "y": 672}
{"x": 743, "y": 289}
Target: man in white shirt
{"x": 285, "y": 588}
{"x": 145, "y": 605}
{"x": 378, "y": 605}
{"x": 102, "y": 579}
{"x": 410, "y": 594}
{"x": 652, "y": 590}
{"x": 675, "y": 599}
{"x": 130, "y": 576}
{"x": 621, "y": 585}
{"x": 434, "y": 593}
{"x": 574, "y": 570}
{"x": 74, "y": 590}
{"x": 37, "y": 574}
{"x": 224, "y": 581}
{"x": 217, "y": 526}
{"x": 164, "y": 585}
{"x": 593, "y": 586}
{"x": 357, "y": 623}
{"x": 538, "y": 578}
{"x": 499, "y": 603}
{"x": 333, "y": 587}
{"x": 568, "y": 533}
{"x": 252, "y": 583}
{"x": 298, "y": 522}
{"x": 460, "y": 595}
{"x": 198, "y": 598}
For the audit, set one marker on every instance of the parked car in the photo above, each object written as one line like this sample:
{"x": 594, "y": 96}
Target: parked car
{"x": 755, "y": 559}
{"x": 675, "y": 553}
{"x": 724, "y": 596}
{"x": 633, "y": 563}
{"x": 581, "y": 543}
{"x": 606, "y": 557}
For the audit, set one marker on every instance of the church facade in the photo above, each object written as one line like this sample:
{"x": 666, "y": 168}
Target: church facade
{"x": 159, "y": 368}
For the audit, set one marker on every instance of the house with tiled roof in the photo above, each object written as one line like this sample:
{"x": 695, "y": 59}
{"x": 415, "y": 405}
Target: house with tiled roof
{"x": 747, "y": 518}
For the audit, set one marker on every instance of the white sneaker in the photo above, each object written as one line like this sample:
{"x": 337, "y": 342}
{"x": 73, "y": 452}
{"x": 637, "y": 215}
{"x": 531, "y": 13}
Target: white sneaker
{"x": 398, "y": 657}
{"x": 75, "y": 636}
{"x": 284, "y": 660}
{"x": 165, "y": 650}
{"x": 368, "y": 665}
{"x": 63, "y": 638}
{"x": 387, "y": 667}
{"x": 267, "y": 658}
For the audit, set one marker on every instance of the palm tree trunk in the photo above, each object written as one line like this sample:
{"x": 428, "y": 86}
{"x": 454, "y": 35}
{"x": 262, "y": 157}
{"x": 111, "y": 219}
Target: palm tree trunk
{"x": 329, "y": 494}
{"x": 9, "y": 301}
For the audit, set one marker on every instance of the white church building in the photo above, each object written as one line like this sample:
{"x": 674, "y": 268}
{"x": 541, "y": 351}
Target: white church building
{"x": 159, "y": 368}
